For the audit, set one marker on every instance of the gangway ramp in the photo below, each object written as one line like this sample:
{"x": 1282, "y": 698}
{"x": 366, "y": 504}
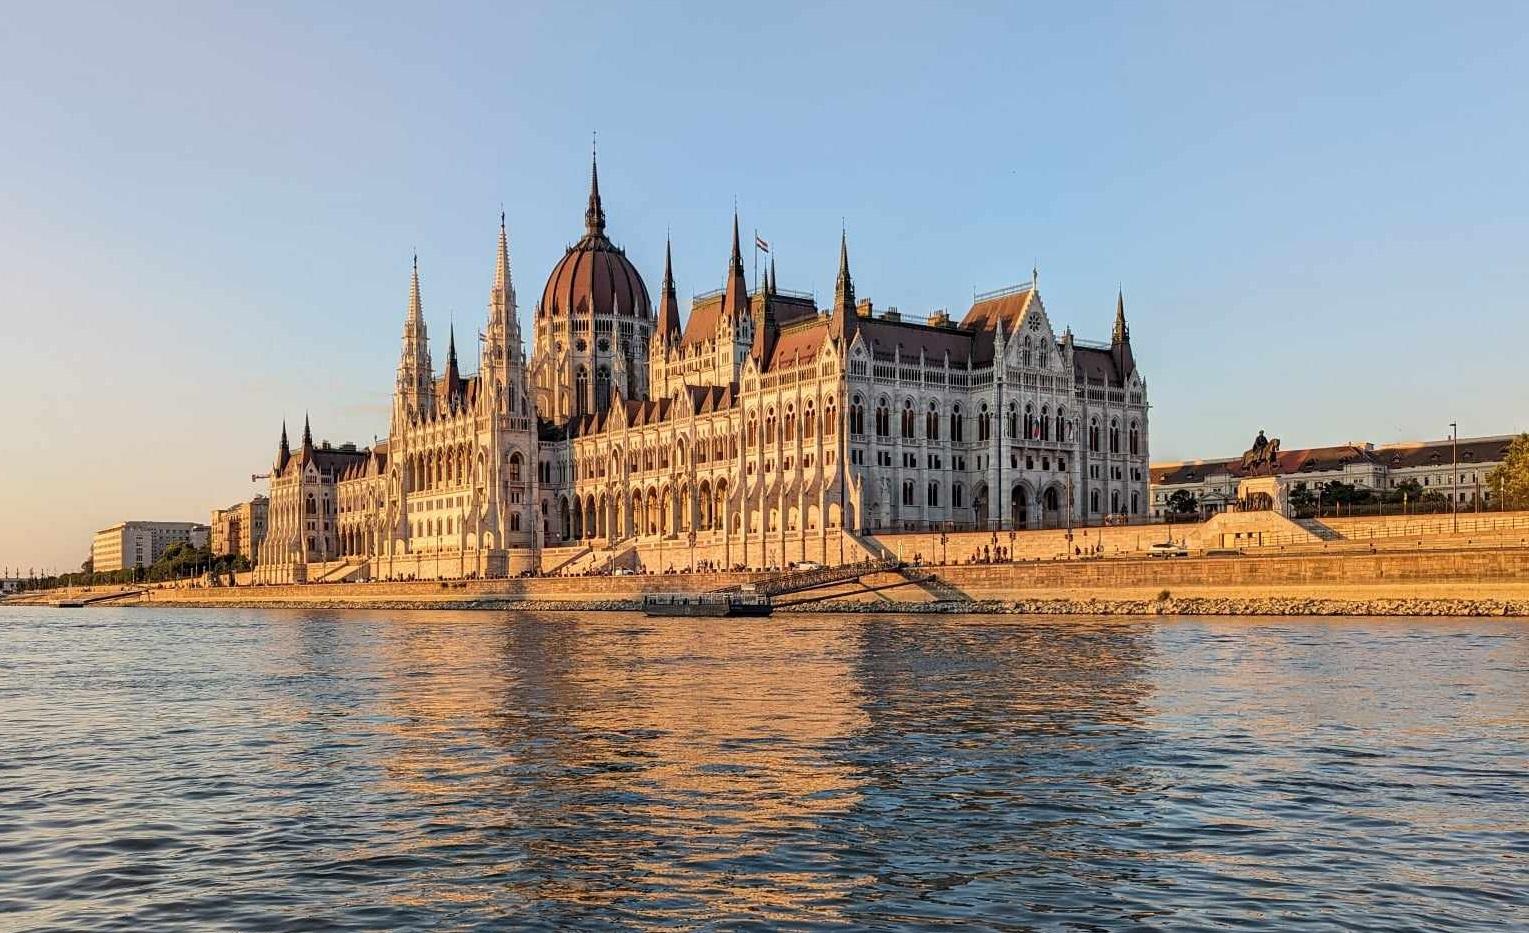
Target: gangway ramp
{"x": 796, "y": 581}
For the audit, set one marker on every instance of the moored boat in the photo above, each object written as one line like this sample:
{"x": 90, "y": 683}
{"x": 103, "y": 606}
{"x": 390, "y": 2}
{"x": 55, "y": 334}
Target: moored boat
{"x": 706, "y": 604}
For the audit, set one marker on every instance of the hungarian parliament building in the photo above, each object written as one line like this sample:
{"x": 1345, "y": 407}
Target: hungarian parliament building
{"x": 756, "y": 431}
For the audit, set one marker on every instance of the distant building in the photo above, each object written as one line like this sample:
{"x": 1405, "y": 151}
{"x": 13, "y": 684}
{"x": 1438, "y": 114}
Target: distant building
{"x": 1361, "y": 464}
{"x": 139, "y": 544}
{"x": 9, "y": 584}
{"x": 239, "y": 529}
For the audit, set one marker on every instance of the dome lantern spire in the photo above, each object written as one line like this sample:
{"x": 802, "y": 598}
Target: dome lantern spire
{"x": 594, "y": 214}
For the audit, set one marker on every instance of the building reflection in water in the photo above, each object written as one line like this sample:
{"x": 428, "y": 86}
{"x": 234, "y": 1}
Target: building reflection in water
{"x": 999, "y": 762}
{"x": 855, "y": 770}
{"x": 613, "y": 765}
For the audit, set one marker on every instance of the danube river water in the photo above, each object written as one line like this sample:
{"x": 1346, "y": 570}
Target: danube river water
{"x": 298, "y": 770}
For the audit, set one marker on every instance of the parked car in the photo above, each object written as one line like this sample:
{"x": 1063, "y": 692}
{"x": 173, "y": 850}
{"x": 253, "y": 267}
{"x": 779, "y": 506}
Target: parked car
{"x": 1167, "y": 549}
{"x": 807, "y": 565}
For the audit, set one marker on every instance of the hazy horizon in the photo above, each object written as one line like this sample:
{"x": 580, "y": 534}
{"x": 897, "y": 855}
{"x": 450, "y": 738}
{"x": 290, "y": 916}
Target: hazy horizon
{"x": 1318, "y": 214}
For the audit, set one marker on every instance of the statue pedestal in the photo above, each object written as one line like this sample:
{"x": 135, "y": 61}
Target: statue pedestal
{"x": 1263, "y": 493}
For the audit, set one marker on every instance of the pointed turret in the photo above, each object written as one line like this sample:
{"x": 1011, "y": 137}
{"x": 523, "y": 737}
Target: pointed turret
{"x": 594, "y": 214}
{"x": 1120, "y": 339}
{"x": 772, "y": 283}
{"x": 452, "y": 380}
{"x": 501, "y": 338}
{"x": 844, "y": 287}
{"x": 668, "y": 304}
{"x": 735, "y": 303}
{"x": 504, "y": 284}
{"x": 284, "y": 450}
{"x": 307, "y": 435}
{"x": 413, "y": 388}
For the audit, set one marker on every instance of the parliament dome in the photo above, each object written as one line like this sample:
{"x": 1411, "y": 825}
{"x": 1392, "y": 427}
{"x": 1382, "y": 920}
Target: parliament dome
{"x": 594, "y": 277}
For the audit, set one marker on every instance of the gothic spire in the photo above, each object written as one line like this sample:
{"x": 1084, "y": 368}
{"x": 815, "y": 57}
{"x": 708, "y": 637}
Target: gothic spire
{"x": 594, "y": 214}
{"x": 307, "y": 433}
{"x": 503, "y": 283}
{"x": 772, "y": 281}
{"x": 452, "y": 377}
{"x": 668, "y": 304}
{"x": 284, "y": 451}
{"x": 1120, "y": 339}
{"x": 735, "y": 303}
{"x": 844, "y": 288}
{"x": 414, "y": 309}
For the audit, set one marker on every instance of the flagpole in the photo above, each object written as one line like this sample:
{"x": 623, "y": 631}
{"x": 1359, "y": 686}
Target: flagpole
{"x": 756, "y": 257}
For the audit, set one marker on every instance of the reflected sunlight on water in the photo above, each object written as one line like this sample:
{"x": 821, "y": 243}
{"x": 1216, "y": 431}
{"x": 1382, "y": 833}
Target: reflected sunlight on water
{"x": 267, "y": 770}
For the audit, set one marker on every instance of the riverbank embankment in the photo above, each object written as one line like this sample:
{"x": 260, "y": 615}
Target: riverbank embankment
{"x": 1463, "y": 582}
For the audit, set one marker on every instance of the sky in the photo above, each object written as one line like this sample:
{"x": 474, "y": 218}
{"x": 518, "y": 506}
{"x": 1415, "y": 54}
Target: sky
{"x": 1318, "y": 213}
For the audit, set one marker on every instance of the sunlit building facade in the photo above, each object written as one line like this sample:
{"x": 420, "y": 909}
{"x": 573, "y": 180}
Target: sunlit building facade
{"x": 759, "y": 430}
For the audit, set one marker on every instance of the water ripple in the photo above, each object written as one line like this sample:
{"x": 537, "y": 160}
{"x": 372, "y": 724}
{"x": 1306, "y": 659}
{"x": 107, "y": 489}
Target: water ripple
{"x": 189, "y": 770}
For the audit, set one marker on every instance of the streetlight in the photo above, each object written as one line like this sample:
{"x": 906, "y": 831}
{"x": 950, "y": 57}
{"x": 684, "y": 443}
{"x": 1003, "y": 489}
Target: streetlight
{"x": 1454, "y": 476}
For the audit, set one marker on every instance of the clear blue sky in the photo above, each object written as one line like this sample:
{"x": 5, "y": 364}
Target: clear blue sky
{"x": 1319, "y": 212}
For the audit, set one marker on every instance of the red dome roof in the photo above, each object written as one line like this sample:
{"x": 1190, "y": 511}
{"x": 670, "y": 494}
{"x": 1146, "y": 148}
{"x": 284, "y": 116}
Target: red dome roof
{"x": 594, "y": 276}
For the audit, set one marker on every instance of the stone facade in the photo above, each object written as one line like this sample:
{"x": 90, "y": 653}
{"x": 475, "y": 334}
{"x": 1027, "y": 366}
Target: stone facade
{"x": 139, "y": 544}
{"x": 761, "y": 431}
{"x": 240, "y": 529}
{"x": 1215, "y": 483}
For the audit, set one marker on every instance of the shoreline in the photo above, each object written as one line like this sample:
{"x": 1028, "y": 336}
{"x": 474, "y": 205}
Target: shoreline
{"x": 1173, "y": 606}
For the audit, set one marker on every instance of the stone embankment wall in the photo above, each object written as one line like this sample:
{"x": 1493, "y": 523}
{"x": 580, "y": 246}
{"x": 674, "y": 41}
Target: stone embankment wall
{"x": 555, "y": 589}
{"x": 1344, "y": 569}
{"x": 953, "y": 583}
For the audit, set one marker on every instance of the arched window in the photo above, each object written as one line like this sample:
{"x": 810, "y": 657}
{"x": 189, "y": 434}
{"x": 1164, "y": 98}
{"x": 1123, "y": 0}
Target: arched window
{"x": 1024, "y": 353}
{"x": 769, "y": 434}
{"x": 957, "y": 424}
{"x": 907, "y": 419}
{"x": 1135, "y": 438}
{"x": 809, "y": 425}
{"x": 1045, "y": 356}
{"x": 1114, "y": 437}
{"x": 1115, "y": 501}
{"x": 581, "y": 391}
{"x": 1014, "y": 420}
{"x": 1045, "y": 422}
{"x": 907, "y": 492}
{"x": 957, "y": 496}
{"x": 1093, "y": 436}
{"x": 883, "y": 419}
{"x": 751, "y": 436}
{"x": 856, "y": 416}
{"x": 932, "y": 422}
{"x": 790, "y": 424}
{"x": 934, "y": 493}
{"x": 984, "y": 423}
{"x": 602, "y": 388}
{"x": 1093, "y": 501}
{"x": 1061, "y": 425}
{"x": 515, "y": 467}
{"x": 831, "y": 418}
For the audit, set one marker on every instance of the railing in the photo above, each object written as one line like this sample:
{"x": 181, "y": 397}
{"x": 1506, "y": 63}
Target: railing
{"x": 1365, "y": 536}
{"x": 798, "y": 580}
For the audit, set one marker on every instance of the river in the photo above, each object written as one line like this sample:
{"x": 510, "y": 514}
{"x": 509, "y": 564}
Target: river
{"x": 262, "y": 770}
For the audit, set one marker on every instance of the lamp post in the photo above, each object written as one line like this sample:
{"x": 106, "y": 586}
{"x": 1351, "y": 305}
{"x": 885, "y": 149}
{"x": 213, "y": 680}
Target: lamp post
{"x": 1454, "y": 476}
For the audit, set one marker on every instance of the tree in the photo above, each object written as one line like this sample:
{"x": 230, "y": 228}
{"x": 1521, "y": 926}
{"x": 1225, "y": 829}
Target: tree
{"x": 1509, "y": 480}
{"x": 1183, "y": 502}
{"x": 1302, "y": 500}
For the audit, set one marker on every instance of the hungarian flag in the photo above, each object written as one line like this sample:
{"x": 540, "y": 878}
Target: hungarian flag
{"x": 760, "y": 244}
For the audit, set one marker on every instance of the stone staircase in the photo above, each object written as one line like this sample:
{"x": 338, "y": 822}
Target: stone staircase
{"x": 622, "y": 554}
{"x": 341, "y": 571}
{"x": 1316, "y": 527}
